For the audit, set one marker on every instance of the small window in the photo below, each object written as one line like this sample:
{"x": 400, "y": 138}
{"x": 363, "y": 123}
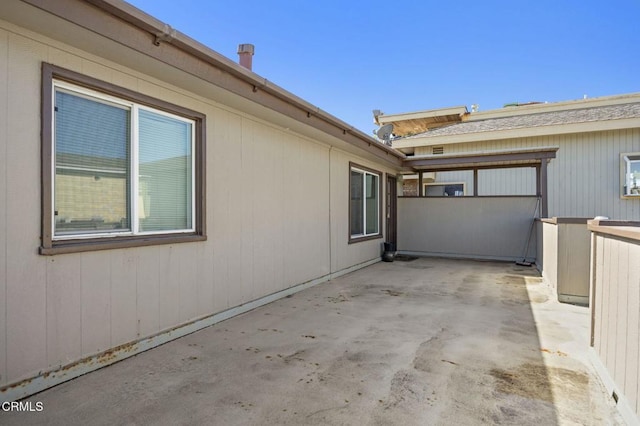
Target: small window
{"x": 631, "y": 172}
{"x": 121, "y": 168}
{"x": 364, "y": 203}
{"x": 449, "y": 189}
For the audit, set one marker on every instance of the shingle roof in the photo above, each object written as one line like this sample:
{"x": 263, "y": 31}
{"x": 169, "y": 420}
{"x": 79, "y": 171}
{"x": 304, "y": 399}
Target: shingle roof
{"x": 586, "y": 115}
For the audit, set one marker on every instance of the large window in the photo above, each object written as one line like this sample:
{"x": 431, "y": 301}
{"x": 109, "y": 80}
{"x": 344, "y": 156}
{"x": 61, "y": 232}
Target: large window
{"x": 631, "y": 172}
{"x": 364, "y": 203}
{"x": 122, "y": 169}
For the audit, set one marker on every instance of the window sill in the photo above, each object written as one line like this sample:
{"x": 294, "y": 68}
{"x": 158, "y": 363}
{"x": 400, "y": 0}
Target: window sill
{"x": 630, "y": 196}
{"x": 353, "y": 240}
{"x": 78, "y": 246}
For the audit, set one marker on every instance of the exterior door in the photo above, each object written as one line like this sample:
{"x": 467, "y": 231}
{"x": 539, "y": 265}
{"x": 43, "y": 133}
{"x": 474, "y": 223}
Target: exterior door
{"x": 391, "y": 211}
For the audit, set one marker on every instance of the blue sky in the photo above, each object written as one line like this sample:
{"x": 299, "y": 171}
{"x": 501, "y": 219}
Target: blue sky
{"x": 350, "y": 57}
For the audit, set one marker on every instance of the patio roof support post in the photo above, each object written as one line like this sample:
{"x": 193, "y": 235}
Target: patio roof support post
{"x": 475, "y": 182}
{"x": 541, "y": 171}
{"x": 543, "y": 187}
{"x": 420, "y": 184}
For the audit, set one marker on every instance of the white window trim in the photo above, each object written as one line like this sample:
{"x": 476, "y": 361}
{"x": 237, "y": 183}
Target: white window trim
{"x": 625, "y": 180}
{"x": 134, "y": 108}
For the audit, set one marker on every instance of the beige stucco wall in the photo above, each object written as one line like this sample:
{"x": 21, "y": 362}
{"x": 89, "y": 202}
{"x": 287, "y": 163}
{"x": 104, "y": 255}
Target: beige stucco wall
{"x": 584, "y": 178}
{"x": 276, "y": 216}
{"x": 615, "y": 309}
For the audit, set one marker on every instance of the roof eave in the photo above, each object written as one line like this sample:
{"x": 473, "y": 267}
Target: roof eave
{"x": 390, "y": 118}
{"x": 302, "y": 111}
{"x": 538, "y": 108}
{"x": 559, "y": 129}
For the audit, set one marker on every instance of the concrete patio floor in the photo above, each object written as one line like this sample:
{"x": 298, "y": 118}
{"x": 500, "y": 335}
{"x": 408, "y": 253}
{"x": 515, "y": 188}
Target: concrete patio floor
{"x": 427, "y": 341}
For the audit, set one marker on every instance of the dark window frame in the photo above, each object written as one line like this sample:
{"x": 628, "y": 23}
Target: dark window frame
{"x": 380, "y": 175}
{"x": 50, "y": 246}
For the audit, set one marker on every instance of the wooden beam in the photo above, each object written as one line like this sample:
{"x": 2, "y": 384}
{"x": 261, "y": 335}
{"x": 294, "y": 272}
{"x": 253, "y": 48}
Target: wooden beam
{"x": 478, "y": 160}
{"x": 483, "y": 167}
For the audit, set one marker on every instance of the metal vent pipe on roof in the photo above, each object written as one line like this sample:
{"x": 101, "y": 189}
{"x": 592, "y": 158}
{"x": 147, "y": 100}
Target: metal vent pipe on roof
{"x": 245, "y": 55}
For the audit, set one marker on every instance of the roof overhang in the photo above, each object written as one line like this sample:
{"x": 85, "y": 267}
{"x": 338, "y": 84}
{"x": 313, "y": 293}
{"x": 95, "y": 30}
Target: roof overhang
{"x": 421, "y": 121}
{"x": 481, "y": 160}
{"x": 537, "y": 131}
{"x": 151, "y": 40}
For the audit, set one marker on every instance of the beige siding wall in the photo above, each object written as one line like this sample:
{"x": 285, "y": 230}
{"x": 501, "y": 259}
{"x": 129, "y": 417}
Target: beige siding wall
{"x": 344, "y": 255}
{"x": 26, "y": 283}
{"x": 277, "y": 216}
{"x": 573, "y": 265}
{"x": 516, "y": 181}
{"x": 549, "y": 261}
{"x": 584, "y": 179}
{"x": 513, "y": 181}
{"x": 495, "y": 228}
{"x": 465, "y": 176}
{"x": 616, "y": 307}
{"x": 566, "y": 259}
{"x": 4, "y": 192}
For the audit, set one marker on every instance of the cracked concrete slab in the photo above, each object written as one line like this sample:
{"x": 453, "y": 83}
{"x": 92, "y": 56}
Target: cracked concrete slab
{"x": 427, "y": 341}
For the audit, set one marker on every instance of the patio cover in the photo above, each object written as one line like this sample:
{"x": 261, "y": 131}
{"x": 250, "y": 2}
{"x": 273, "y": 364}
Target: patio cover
{"x": 528, "y": 157}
